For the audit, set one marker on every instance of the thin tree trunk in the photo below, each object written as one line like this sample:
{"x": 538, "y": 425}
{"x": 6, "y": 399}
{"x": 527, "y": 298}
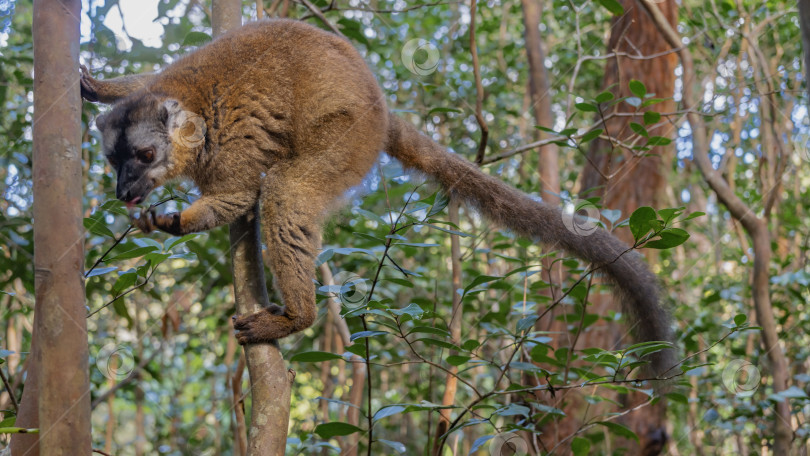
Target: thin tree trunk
{"x": 756, "y": 227}
{"x": 59, "y": 400}
{"x": 451, "y": 380}
{"x": 270, "y": 381}
{"x": 548, "y": 167}
{"x": 804, "y": 24}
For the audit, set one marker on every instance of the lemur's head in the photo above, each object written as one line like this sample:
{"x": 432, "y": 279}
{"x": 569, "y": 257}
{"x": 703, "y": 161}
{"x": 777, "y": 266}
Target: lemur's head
{"x": 141, "y": 136}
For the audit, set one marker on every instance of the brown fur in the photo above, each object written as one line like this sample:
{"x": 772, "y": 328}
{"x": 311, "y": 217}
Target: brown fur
{"x": 293, "y": 116}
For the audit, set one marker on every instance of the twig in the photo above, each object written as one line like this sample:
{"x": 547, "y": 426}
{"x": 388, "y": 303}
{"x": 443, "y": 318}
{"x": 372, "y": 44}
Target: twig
{"x": 129, "y": 379}
{"x": 10, "y": 392}
{"x": 317, "y": 13}
{"x": 140, "y": 285}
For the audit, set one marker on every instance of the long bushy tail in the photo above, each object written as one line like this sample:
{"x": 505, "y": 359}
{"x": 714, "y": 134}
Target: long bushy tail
{"x": 510, "y": 208}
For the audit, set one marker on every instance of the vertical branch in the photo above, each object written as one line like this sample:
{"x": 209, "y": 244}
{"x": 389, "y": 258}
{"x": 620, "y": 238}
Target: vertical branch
{"x": 451, "y": 379}
{"x": 270, "y": 381}
{"x": 541, "y": 101}
{"x": 240, "y": 431}
{"x": 61, "y": 382}
{"x": 804, "y": 24}
{"x": 479, "y": 88}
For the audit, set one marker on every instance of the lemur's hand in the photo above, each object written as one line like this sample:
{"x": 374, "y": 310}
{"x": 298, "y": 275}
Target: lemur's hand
{"x": 88, "y": 85}
{"x": 148, "y": 221}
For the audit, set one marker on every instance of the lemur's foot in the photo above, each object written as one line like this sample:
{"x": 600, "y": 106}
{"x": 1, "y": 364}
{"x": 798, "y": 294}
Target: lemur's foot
{"x": 263, "y": 326}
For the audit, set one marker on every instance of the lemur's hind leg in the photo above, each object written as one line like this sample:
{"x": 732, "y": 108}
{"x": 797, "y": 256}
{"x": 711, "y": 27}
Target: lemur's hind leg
{"x": 334, "y": 154}
{"x": 291, "y": 227}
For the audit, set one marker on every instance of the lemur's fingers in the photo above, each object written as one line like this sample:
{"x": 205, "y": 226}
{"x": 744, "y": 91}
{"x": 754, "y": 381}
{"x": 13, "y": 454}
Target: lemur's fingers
{"x": 145, "y": 220}
{"x": 169, "y": 223}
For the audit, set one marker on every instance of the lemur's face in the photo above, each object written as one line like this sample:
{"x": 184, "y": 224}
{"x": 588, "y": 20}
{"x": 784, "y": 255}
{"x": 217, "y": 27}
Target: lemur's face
{"x": 138, "y": 142}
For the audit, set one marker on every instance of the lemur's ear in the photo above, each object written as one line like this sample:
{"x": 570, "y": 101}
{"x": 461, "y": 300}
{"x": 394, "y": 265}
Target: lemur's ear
{"x": 170, "y": 109}
{"x": 185, "y": 127}
{"x": 101, "y": 121}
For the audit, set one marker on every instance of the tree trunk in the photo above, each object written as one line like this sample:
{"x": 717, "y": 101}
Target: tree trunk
{"x": 58, "y": 402}
{"x": 270, "y": 381}
{"x": 627, "y": 182}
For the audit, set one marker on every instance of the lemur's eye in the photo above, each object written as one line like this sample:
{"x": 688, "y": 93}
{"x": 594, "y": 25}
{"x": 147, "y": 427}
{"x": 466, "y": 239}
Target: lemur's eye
{"x": 146, "y": 155}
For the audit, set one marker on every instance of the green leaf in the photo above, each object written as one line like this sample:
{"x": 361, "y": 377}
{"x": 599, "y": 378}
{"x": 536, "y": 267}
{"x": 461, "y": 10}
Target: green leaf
{"x": 637, "y": 88}
{"x": 470, "y": 345}
{"x": 335, "y": 429}
{"x": 580, "y": 446}
{"x": 514, "y": 410}
{"x": 363, "y": 334}
{"x": 100, "y": 271}
{"x": 124, "y": 281}
{"x": 670, "y": 237}
{"x": 353, "y": 30}
{"x": 429, "y": 330}
{"x": 456, "y": 232}
{"x": 659, "y": 141}
{"x": 439, "y": 203}
{"x": 613, "y": 6}
{"x": 740, "y": 319}
{"x": 651, "y": 117}
{"x": 457, "y": 360}
{"x": 619, "y": 430}
{"x": 180, "y": 241}
{"x": 586, "y": 107}
{"x": 548, "y": 409}
{"x": 438, "y": 343}
{"x": 604, "y": 97}
{"x": 314, "y": 357}
{"x": 678, "y": 397}
{"x": 639, "y": 129}
{"x": 591, "y": 135}
{"x": 640, "y": 221}
{"x": 97, "y": 227}
{"x": 396, "y": 446}
{"x": 694, "y": 215}
{"x": 388, "y": 411}
{"x": 134, "y": 253}
{"x": 412, "y": 309}
{"x": 196, "y": 39}
{"x": 479, "y": 443}
{"x": 481, "y": 280}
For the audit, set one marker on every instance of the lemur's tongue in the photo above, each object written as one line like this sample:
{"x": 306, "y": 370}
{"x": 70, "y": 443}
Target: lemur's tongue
{"x": 131, "y": 203}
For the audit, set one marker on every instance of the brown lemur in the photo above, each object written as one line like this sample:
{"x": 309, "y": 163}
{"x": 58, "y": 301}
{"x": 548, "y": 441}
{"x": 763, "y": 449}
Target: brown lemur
{"x": 288, "y": 114}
